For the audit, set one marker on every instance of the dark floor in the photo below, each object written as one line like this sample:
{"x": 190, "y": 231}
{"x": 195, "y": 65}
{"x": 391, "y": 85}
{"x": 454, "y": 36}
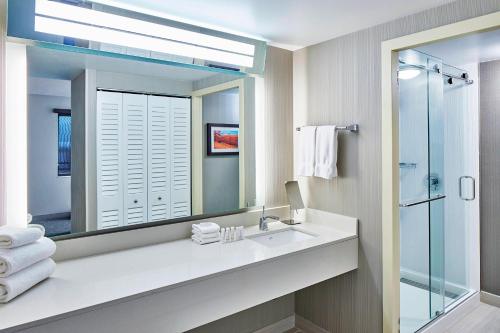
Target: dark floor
{"x": 55, "y": 227}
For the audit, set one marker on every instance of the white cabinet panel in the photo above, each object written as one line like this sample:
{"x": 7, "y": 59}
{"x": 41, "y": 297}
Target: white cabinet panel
{"x": 109, "y": 170}
{"x": 135, "y": 161}
{"x": 181, "y": 157}
{"x": 143, "y": 158}
{"x": 159, "y": 157}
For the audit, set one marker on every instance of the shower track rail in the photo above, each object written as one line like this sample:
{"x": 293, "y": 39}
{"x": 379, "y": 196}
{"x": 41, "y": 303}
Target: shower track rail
{"x": 419, "y": 201}
{"x": 435, "y": 69}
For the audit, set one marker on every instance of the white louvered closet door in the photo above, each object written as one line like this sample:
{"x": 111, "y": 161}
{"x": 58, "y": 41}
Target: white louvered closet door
{"x": 159, "y": 158}
{"x": 109, "y": 171}
{"x": 135, "y": 162}
{"x": 180, "y": 118}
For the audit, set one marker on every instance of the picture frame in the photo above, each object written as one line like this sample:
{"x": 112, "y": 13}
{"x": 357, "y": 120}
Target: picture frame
{"x": 223, "y": 139}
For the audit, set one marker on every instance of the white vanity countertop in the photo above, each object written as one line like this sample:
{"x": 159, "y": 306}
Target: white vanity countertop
{"x": 86, "y": 283}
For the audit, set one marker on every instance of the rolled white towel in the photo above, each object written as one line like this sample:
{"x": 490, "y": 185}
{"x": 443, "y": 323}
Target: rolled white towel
{"x": 202, "y": 241}
{"x": 18, "y": 283}
{"x": 11, "y": 237}
{"x": 206, "y": 227}
{"x": 206, "y": 236}
{"x": 14, "y": 260}
{"x": 37, "y": 226}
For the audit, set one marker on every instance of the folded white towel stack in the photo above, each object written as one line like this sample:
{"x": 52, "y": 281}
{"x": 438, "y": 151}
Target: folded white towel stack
{"x": 24, "y": 260}
{"x": 205, "y": 233}
{"x": 19, "y": 282}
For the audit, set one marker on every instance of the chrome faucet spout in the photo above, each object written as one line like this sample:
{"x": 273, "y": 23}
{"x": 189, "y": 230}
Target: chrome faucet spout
{"x": 263, "y": 220}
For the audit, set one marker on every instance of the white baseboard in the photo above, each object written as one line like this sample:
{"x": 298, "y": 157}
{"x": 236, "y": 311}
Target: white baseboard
{"x": 490, "y": 299}
{"x": 308, "y": 326}
{"x": 446, "y": 321}
{"x": 279, "y": 327}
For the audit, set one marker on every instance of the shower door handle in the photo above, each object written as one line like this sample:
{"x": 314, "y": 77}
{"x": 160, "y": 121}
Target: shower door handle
{"x": 460, "y": 191}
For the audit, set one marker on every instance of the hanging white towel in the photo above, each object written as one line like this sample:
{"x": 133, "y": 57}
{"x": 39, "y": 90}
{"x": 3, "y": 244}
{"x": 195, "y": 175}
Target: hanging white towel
{"x": 11, "y": 237}
{"x": 205, "y": 227}
{"x": 326, "y": 152}
{"x": 18, "y": 283}
{"x": 16, "y": 259}
{"x": 307, "y": 146}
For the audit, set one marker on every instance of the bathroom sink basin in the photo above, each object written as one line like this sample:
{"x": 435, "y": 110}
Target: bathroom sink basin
{"x": 281, "y": 238}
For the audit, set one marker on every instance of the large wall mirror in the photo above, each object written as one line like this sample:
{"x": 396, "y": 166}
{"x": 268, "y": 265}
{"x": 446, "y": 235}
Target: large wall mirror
{"x": 116, "y": 142}
{"x": 106, "y": 129}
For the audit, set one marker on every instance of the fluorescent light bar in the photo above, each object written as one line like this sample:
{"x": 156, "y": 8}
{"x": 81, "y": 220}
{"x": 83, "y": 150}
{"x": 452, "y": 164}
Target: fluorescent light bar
{"x": 104, "y": 35}
{"x": 156, "y": 13}
{"x": 102, "y": 19}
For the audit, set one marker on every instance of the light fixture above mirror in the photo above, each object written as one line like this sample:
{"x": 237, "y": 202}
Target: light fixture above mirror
{"x": 92, "y": 25}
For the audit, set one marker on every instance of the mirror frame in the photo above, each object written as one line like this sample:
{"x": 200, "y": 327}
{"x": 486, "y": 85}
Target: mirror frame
{"x": 150, "y": 224}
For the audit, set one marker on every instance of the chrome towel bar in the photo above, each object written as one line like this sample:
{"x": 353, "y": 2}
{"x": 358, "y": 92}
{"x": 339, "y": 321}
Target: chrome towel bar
{"x": 354, "y": 128}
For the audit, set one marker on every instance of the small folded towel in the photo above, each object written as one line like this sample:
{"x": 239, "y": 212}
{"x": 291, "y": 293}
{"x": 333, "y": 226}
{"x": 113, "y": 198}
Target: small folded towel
{"x": 326, "y": 152}
{"x": 206, "y": 236}
{"x": 14, "y": 260}
{"x": 205, "y": 227}
{"x": 18, "y": 283}
{"x": 202, "y": 241}
{"x": 11, "y": 237}
{"x": 306, "y": 151}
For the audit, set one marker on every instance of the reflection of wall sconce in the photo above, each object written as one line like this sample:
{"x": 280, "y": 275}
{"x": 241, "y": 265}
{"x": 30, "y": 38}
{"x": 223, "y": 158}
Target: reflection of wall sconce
{"x": 408, "y": 73}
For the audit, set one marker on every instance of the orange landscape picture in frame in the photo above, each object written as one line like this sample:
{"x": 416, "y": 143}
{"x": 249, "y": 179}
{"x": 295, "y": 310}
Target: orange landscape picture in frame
{"x": 223, "y": 139}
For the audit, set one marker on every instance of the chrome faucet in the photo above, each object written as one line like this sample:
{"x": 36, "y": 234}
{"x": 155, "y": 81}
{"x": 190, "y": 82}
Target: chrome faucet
{"x": 263, "y": 220}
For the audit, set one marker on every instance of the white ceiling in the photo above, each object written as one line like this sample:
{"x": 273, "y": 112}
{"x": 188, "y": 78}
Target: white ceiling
{"x": 470, "y": 49}
{"x": 291, "y": 24}
{"x": 54, "y": 64}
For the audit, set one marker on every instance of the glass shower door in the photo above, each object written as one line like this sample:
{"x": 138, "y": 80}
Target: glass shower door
{"x": 462, "y": 206}
{"x": 421, "y": 135}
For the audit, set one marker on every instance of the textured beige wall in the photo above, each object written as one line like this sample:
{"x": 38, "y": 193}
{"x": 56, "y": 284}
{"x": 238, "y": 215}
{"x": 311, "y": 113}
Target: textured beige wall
{"x": 489, "y": 73}
{"x": 277, "y": 127}
{"x": 339, "y": 82}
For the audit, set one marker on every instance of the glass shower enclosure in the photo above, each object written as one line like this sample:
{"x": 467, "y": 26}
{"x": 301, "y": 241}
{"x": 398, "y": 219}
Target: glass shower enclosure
{"x": 429, "y": 161}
